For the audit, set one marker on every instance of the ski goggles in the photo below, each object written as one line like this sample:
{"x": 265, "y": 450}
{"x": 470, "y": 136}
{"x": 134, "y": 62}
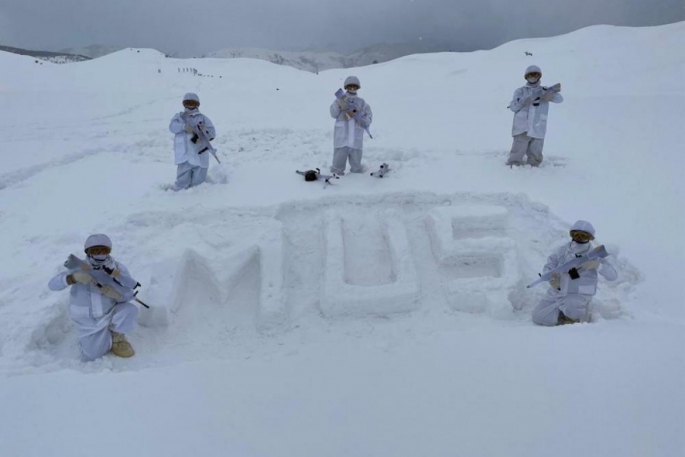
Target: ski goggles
{"x": 352, "y": 87}
{"x": 581, "y": 237}
{"x": 98, "y": 250}
{"x": 191, "y": 103}
{"x": 535, "y": 74}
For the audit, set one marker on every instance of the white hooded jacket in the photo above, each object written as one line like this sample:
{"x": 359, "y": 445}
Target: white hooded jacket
{"x": 528, "y": 118}
{"x": 89, "y": 309}
{"x": 347, "y": 131}
{"x": 586, "y": 284}
{"x": 184, "y": 149}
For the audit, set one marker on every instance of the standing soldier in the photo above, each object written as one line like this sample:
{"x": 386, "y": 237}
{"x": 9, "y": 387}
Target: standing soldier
{"x": 192, "y": 164}
{"x": 352, "y": 116}
{"x": 530, "y": 106}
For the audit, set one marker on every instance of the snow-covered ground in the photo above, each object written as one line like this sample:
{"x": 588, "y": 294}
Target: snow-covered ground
{"x": 375, "y": 317}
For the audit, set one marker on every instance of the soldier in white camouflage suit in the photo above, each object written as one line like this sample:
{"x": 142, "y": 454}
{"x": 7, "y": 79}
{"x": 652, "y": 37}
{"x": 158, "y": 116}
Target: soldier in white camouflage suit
{"x": 569, "y": 294}
{"x": 348, "y": 135}
{"x": 530, "y": 119}
{"x": 100, "y": 319}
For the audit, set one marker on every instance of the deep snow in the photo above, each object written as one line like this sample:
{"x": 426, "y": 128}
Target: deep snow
{"x": 375, "y": 316}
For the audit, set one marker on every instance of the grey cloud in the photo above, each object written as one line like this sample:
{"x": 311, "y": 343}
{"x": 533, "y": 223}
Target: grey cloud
{"x": 206, "y": 25}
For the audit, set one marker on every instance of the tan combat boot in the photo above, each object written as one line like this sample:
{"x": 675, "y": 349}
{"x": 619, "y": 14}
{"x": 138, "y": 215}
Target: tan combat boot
{"x": 120, "y": 345}
{"x": 565, "y": 320}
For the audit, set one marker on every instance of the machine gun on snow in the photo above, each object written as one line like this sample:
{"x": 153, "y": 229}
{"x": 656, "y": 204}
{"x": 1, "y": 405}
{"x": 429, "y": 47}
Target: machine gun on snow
{"x": 382, "y": 170}
{"x": 315, "y": 175}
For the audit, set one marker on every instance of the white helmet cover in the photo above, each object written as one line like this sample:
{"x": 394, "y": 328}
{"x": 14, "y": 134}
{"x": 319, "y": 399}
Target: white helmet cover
{"x": 532, "y": 69}
{"x": 98, "y": 239}
{"x": 583, "y": 226}
{"x": 191, "y": 96}
{"x": 352, "y": 80}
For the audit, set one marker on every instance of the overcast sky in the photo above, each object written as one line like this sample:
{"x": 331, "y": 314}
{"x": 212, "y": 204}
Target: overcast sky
{"x": 199, "y": 26}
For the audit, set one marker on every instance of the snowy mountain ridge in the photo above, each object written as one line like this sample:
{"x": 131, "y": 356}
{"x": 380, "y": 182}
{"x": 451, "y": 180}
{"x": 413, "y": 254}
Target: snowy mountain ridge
{"x": 54, "y": 57}
{"x": 311, "y": 61}
{"x": 94, "y": 51}
{"x": 314, "y": 61}
{"x": 308, "y": 61}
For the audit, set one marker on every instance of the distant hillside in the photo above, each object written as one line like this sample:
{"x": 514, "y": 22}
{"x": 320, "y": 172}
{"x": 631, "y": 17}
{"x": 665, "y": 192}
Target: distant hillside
{"x": 93, "y": 51}
{"x": 315, "y": 61}
{"x": 54, "y": 57}
{"x": 308, "y": 61}
{"x": 385, "y": 52}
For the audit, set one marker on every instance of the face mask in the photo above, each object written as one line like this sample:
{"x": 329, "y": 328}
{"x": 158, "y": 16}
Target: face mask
{"x": 98, "y": 260}
{"x": 532, "y": 80}
{"x": 579, "y": 248}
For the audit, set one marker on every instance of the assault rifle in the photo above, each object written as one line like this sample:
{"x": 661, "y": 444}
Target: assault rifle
{"x": 102, "y": 279}
{"x": 201, "y": 135}
{"x": 599, "y": 252}
{"x": 351, "y": 107}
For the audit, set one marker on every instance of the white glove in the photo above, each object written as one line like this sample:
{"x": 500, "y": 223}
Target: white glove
{"x": 555, "y": 282}
{"x": 590, "y": 264}
{"x": 83, "y": 278}
{"x": 548, "y": 96}
{"x": 111, "y": 268}
{"x": 109, "y": 291}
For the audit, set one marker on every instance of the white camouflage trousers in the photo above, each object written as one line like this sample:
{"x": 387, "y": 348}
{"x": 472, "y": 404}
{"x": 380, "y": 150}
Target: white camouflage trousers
{"x": 526, "y": 146}
{"x": 123, "y": 320}
{"x": 188, "y": 176}
{"x": 340, "y": 157}
{"x": 574, "y": 306}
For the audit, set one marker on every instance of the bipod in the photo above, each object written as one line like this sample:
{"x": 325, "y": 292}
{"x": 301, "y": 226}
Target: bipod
{"x": 326, "y": 178}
